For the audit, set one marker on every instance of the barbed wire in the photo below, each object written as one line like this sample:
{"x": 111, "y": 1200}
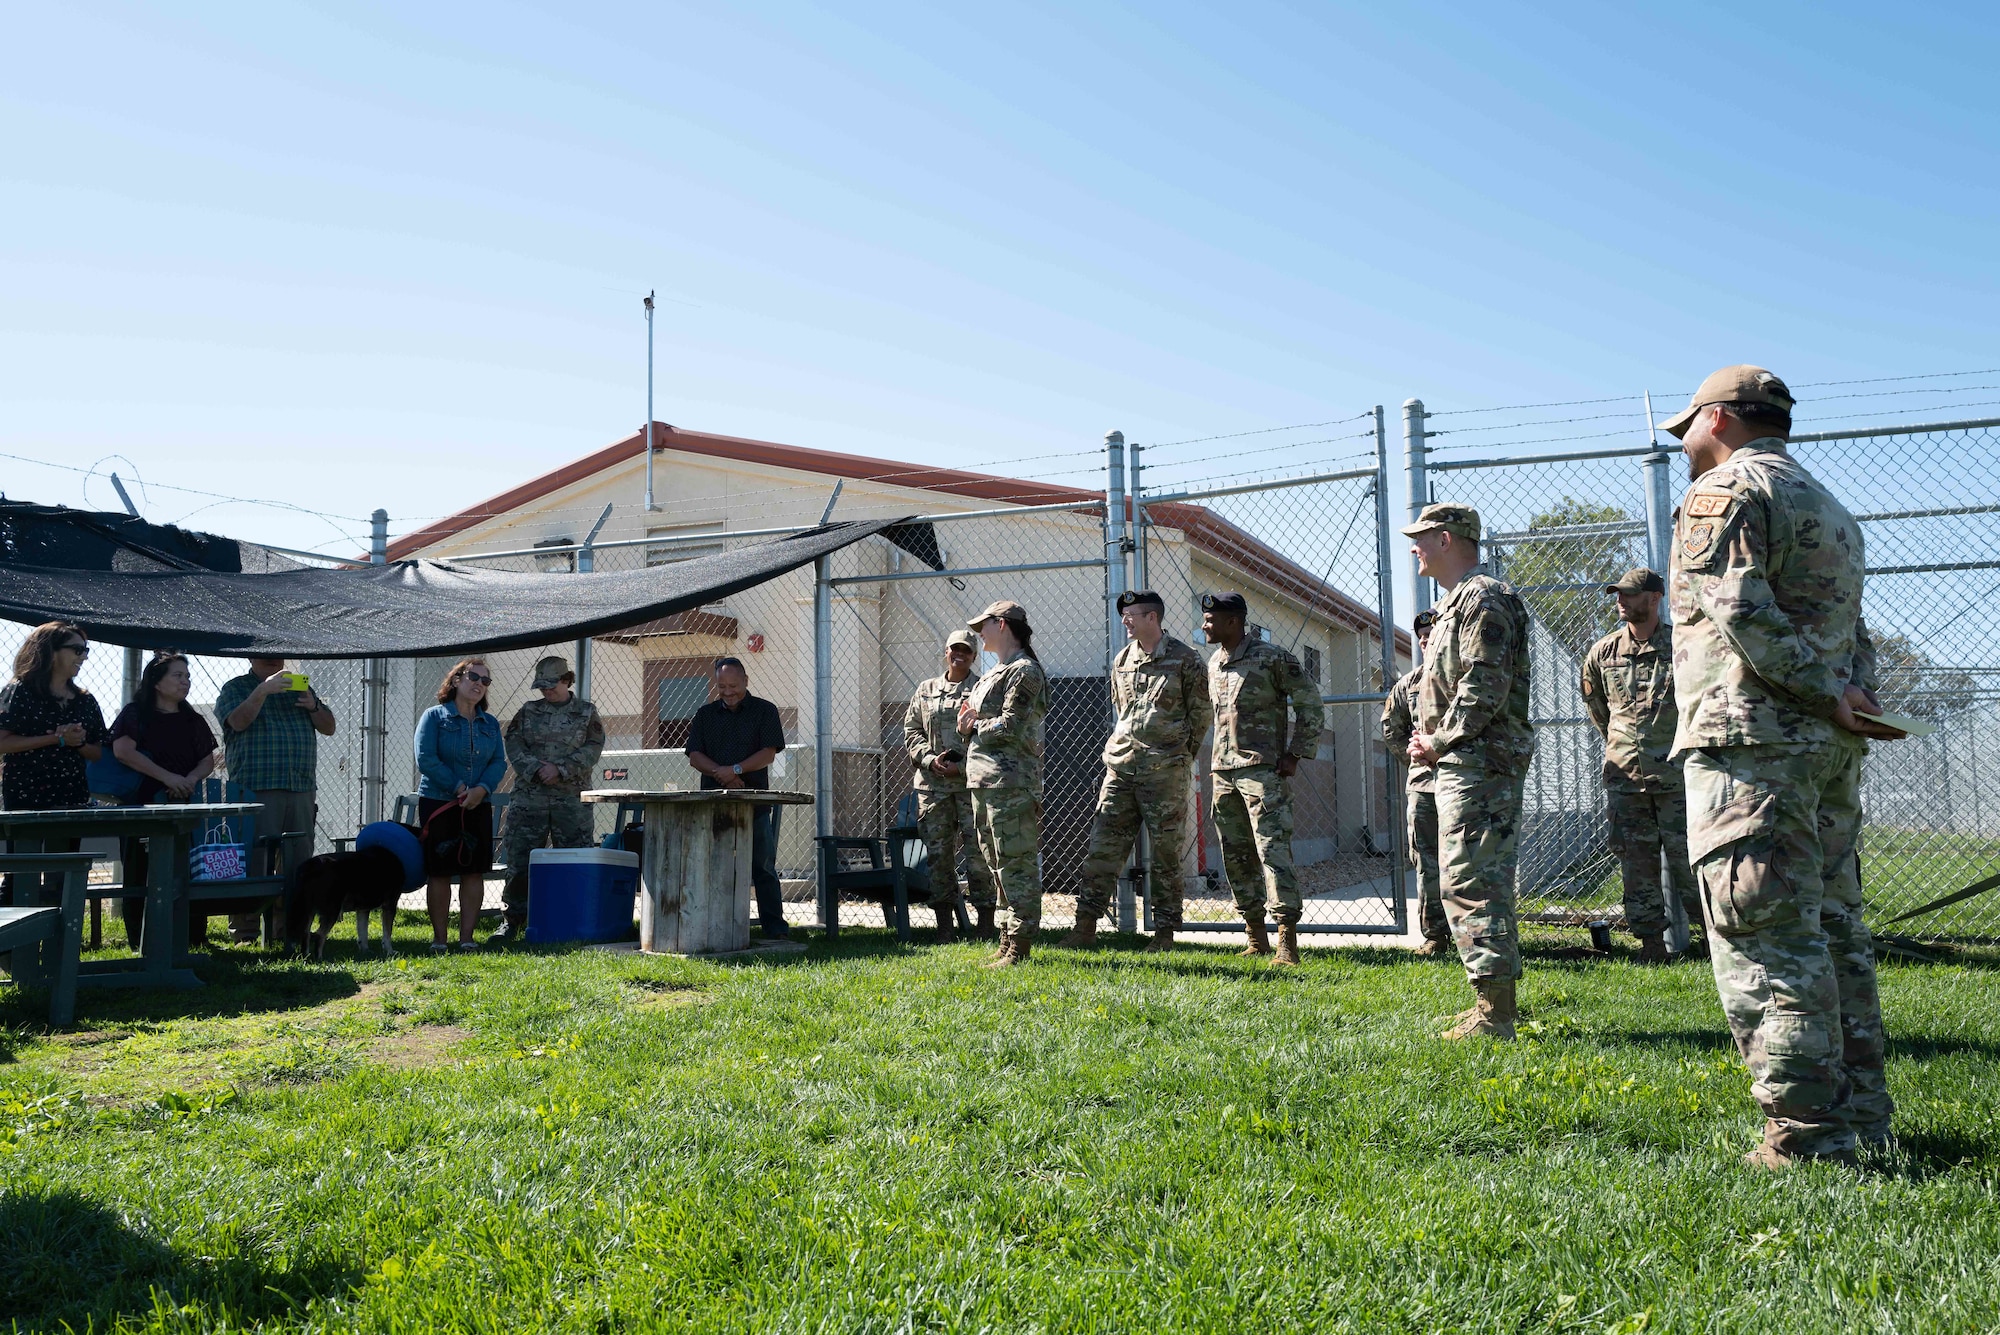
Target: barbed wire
{"x": 1268, "y": 449}
{"x": 1189, "y": 484}
{"x": 1260, "y": 431}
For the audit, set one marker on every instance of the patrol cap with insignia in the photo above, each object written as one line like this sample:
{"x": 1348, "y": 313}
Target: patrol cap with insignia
{"x": 1005, "y": 609}
{"x": 1229, "y": 604}
{"x": 552, "y": 671}
{"x": 1461, "y": 520}
{"x": 1637, "y": 580}
{"x": 1142, "y": 598}
{"x": 962, "y": 637}
{"x": 1732, "y": 384}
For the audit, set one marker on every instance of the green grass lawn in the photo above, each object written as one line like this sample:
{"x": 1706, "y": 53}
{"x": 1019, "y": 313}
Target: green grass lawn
{"x": 889, "y": 1139}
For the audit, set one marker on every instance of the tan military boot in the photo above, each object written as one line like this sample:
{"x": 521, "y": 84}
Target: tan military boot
{"x": 1083, "y": 936}
{"x": 1260, "y": 940}
{"x": 1770, "y": 1159}
{"x": 1162, "y": 942}
{"x": 1493, "y": 1016}
{"x": 1432, "y": 949}
{"x": 1020, "y": 941}
{"x": 1652, "y": 948}
{"x": 985, "y": 931}
{"x": 999, "y": 959}
{"x": 1288, "y": 945}
{"x": 947, "y": 927}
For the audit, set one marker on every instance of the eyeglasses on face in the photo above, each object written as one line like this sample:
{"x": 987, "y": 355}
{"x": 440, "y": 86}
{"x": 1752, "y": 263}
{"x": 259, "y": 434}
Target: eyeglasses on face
{"x": 474, "y": 676}
{"x": 79, "y": 648}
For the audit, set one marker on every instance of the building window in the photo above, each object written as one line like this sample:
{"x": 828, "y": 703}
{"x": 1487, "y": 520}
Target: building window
{"x": 679, "y": 698}
{"x": 1309, "y": 657}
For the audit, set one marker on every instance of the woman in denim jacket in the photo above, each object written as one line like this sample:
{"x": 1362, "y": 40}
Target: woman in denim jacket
{"x": 460, "y": 760}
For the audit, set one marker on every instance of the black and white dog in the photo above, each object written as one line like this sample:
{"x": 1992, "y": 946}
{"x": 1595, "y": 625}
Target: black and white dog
{"x": 333, "y": 882}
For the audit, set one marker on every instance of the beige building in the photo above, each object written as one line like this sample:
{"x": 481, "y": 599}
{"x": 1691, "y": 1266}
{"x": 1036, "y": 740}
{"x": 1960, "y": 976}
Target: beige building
{"x": 712, "y": 492}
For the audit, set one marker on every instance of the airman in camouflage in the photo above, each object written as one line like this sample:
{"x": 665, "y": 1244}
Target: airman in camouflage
{"x": 1420, "y": 813}
{"x": 944, "y": 807}
{"x": 553, "y": 745}
{"x": 1472, "y": 723}
{"x": 1001, "y": 722}
{"x": 1771, "y": 663}
{"x": 1268, "y": 717}
{"x": 1628, "y": 692}
{"x": 1159, "y": 690}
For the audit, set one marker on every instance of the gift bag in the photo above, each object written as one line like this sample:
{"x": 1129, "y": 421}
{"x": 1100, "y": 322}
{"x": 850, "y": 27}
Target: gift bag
{"x": 217, "y": 857}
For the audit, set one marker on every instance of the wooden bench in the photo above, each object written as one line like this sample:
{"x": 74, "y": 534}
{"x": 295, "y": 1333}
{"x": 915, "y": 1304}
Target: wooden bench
{"x": 44, "y": 942}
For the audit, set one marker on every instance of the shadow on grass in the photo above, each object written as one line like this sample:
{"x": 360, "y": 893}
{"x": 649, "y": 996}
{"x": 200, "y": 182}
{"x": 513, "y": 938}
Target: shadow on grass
{"x": 235, "y": 983}
{"x": 74, "y": 1263}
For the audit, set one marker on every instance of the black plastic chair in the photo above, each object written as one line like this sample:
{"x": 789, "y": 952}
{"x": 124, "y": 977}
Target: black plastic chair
{"x": 898, "y": 869}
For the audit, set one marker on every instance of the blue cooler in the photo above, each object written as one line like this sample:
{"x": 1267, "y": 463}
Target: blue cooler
{"x": 581, "y": 894}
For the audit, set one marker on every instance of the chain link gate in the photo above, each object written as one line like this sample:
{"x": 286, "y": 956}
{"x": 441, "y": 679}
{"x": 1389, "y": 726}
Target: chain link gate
{"x": 1562, "y": 526}
{"x": 1312, "y": 556}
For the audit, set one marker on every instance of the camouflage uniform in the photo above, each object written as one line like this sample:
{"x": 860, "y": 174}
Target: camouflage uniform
{"x": 1257, "y": 691}
{"x": 1163, "y": 711}
{"x": 1767, "y": 576}
{"x": 944, "y": 807}
{"x": 569, "y": 736}
{"x": 1003, "y": 770}
{"x": 1473, "y": 703}
{"x": 1628, "y": 691}
{"x": 1399, "y": 718}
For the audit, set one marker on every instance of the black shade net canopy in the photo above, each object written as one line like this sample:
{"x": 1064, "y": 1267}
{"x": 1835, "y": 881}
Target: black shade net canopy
{"x": 154, "y": 587}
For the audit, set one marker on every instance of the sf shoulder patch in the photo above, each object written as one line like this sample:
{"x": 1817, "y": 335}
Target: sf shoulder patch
{"x": 1696, "y": 540}
{"x": 1708, "y": 505}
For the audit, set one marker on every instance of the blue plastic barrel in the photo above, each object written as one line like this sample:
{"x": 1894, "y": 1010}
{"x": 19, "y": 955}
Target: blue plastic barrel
{"x": 581, "y": 894}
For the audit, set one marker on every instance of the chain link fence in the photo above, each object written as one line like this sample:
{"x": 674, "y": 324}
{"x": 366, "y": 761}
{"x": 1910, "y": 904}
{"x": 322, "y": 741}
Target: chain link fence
{"x": 1562, "y": 526}
{"x": 1311, "y": 550}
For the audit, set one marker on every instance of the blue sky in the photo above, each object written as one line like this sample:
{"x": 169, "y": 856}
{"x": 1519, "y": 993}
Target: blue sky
{"x": 358, "y": 255}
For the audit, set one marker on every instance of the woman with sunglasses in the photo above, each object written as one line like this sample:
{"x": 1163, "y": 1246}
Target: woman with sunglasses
{"x": 50, "y": 727}
{"x": 461, "y": 758}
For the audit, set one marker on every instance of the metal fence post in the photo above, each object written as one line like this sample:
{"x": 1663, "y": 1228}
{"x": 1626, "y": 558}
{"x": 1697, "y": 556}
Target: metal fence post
{"x": 1385, "y": 584}
{"x": 375, "y": 698}
{"x": 823, "y": 729}
{"x": 1140, "y": 580}
{"x": 1115, "y": 547}
{"x": 1414, "y": 452}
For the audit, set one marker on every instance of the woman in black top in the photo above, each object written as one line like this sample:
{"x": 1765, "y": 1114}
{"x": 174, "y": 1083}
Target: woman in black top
{"x": 170, "y": 746}
{"x": 49, "y": 726}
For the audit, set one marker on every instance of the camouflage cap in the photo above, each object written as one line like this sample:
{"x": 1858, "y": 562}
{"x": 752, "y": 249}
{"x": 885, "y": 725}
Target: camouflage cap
{"x": 1732, "y": 384}
{"x": 1005, "y": 609}
{"x": 1229, "y": 604}
{"x": 1461, "y": 520}
{"x": 552, "y": 671}
{"x": 964, "y": 638}
{"x": 1141, "y": 598}
{"x": 1637, "y": 580}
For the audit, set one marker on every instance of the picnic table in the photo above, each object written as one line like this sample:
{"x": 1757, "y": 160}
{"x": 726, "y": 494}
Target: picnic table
{"x": 163, "y": 959}
{"x": 694, "y": 867}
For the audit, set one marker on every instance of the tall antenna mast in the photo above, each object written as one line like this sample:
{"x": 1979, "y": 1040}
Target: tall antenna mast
{"x": 649, "y": 403}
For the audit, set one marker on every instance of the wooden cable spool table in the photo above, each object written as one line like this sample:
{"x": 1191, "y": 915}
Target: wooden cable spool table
{"x": 694, "y": 867}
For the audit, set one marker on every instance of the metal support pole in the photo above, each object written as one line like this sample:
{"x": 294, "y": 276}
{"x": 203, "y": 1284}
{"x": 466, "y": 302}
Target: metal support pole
{"x": 586, "y": 561}
{"x": 650, "y": 507}
{"x": 823, "y": 729}
{"x": 1116, "y": 546}
{"x": 1385, "y": 591}
{"x": 1659, "y": 500}
{"x": 1143, "y": 869}
{"x": 1415, "y": 453}
{"x": 375, "y": 698}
